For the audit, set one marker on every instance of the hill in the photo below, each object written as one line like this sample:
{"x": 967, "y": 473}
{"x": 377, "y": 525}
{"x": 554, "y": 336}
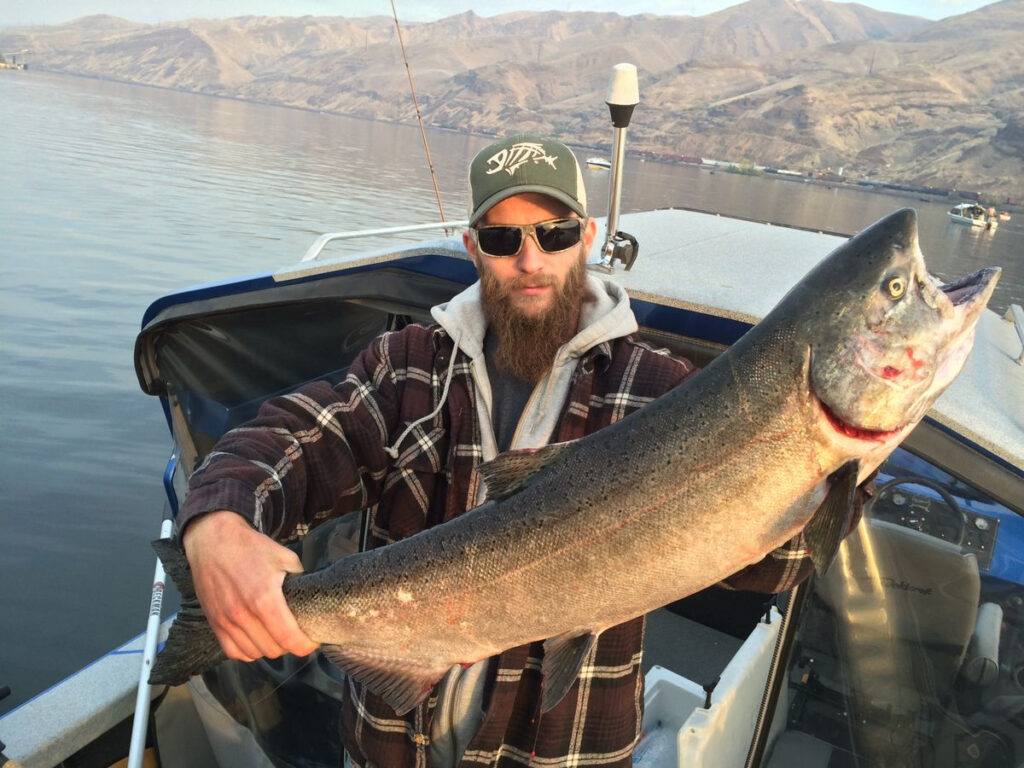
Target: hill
{"x": 812, "y": 85}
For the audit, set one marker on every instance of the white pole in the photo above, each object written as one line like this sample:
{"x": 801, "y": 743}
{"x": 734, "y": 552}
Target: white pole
{"x": 141, "y": 721}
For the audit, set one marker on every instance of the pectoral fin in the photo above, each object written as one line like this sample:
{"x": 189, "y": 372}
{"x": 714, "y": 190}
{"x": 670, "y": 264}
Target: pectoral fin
{"x": 825, "y": 531}
{"x": 563, "y": 659}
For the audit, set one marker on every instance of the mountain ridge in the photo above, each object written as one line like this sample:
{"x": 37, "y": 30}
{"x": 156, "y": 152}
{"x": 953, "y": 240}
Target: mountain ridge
{"x": 812, "y": 85}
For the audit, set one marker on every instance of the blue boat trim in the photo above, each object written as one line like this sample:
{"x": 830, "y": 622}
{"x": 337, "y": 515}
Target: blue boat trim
{"x": 689, "y": 322}
{"x": 435, "y": 265}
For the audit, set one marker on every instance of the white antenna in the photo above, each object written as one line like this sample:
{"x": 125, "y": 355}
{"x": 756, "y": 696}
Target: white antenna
{"x": 623, "y": 96}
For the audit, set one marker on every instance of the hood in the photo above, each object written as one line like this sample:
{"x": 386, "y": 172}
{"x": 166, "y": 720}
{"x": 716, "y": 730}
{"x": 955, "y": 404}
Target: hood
{"x": 606, "y": 315}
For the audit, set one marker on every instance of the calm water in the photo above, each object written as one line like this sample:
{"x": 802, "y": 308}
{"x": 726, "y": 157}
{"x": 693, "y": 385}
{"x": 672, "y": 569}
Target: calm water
{"x": 113, "y": 195}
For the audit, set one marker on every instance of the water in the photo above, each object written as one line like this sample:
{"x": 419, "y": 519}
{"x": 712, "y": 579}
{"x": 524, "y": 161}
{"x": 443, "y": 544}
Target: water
{"x": 113, "y": 195}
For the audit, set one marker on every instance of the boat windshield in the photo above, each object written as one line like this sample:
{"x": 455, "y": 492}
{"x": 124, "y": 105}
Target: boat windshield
{"x": 910, "y": 650}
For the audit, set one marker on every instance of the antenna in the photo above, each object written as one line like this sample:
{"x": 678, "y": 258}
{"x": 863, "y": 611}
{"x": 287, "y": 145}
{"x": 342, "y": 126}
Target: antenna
{"x": 623, "y": 96}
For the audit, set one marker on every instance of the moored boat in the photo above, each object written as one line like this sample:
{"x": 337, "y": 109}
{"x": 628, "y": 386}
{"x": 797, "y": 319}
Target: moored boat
{"x": 599, "y": 164}
{"x": 973, "y": 215}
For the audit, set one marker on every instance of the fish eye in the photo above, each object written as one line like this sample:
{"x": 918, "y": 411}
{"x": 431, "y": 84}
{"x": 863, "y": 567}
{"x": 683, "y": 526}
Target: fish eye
{"x": 896, "y": 286}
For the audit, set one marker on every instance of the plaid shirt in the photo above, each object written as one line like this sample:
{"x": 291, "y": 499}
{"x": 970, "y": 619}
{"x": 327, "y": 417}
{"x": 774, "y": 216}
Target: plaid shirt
{"x": 321, "y": 452}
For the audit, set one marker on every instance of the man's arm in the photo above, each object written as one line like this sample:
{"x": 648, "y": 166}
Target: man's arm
{"x": 307, "y": 456}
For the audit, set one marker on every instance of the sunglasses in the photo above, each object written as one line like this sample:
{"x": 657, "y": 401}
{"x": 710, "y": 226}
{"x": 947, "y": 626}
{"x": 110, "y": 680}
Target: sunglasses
{"x": 505, "y": 240}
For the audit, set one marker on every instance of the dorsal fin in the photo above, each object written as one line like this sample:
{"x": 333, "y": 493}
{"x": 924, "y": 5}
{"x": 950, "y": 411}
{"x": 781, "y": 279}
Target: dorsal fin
{"x": 507, "y": 473}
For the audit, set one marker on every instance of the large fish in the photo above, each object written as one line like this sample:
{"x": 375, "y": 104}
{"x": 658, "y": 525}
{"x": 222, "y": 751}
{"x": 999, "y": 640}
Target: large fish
{"x": 769, "y": 440}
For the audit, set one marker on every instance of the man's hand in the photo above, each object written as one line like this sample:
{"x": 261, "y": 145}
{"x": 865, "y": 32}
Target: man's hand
{"x": 238, "y": 574}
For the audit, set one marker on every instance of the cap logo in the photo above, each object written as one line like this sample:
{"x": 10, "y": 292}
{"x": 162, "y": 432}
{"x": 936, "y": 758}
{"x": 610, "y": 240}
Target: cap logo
{"x": 511, "y": 158}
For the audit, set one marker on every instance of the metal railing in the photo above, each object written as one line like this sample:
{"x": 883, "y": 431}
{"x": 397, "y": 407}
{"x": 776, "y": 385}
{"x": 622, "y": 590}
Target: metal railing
{"x": 318, "y": 245}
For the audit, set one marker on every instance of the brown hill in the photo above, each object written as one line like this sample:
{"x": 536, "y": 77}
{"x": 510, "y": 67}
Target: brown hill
{"x": 806, "y": 85}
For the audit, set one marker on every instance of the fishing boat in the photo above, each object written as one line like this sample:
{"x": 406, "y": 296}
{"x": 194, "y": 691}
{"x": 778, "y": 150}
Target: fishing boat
{"x": 908, "y": 651}
{"x": 599, "y": 164}
{"x": 973, "y": 215}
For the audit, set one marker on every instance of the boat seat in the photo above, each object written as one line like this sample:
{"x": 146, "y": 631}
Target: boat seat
{"x": 905, "y": 606}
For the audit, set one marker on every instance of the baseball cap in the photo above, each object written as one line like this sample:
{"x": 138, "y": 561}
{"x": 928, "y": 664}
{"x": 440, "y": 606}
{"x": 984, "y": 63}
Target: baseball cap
{"x": 524, "y": 163}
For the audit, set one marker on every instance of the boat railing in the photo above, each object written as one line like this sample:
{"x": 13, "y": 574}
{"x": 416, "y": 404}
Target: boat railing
{"x": 318, "y": 245}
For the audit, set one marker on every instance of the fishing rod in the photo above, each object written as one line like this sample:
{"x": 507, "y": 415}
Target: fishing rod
{"x": 141, "y": 720}
{"x": 419, "y": 116}
{"x": 784, "y": 643}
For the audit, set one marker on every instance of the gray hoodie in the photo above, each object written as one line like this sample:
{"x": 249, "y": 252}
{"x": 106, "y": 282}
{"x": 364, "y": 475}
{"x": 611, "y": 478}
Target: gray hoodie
{"x": 605, "y": 315}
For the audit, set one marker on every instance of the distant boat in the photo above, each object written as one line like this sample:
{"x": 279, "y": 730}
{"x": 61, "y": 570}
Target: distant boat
{"x": 1004, "y": 215}
{"x": 598, "y": 164}
{"x": 973, "y": 215}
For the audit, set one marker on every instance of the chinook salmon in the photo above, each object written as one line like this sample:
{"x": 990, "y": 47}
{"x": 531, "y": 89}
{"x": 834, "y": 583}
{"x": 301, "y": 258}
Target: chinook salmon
{"x": 769, "y": 440}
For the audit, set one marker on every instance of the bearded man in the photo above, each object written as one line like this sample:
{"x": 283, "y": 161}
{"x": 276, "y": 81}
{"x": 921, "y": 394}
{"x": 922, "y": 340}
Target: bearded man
{"x": 537, "y": 351}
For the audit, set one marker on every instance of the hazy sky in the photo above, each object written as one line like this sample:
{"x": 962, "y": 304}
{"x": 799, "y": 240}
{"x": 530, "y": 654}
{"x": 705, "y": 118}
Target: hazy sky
{"x": 21, "y": 12}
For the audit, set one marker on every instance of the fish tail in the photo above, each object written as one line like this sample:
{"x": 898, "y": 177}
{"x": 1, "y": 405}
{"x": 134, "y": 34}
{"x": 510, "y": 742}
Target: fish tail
{"x": 191, "y": 647}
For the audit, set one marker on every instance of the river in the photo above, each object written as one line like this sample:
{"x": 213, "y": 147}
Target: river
{"x": 113, "y": 195}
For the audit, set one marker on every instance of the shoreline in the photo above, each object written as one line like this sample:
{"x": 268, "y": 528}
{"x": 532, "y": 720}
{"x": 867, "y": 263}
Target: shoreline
{"x": 873, "y": 186}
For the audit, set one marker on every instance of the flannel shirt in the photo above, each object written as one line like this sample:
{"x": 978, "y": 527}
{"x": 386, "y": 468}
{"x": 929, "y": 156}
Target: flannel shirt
{"x": 321, "y": 452}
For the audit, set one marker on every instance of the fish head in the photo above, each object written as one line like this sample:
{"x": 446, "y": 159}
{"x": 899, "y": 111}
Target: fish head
{"x": 887, "y": 338}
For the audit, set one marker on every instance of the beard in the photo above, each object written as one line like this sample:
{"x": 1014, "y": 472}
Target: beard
{"x": 527, "y": 344}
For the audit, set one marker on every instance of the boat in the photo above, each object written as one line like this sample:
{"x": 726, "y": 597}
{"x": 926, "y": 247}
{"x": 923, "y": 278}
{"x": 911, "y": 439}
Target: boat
{"x": 946, "y": 532}
{"x": 973, "y": 215}
{"x": 908, "y": 651}
{"x": 599, "y": 164}
{"x": 1004, "y": 215}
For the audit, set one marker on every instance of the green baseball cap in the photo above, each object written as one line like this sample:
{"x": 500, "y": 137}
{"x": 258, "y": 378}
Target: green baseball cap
{"x": 524, "y": 163}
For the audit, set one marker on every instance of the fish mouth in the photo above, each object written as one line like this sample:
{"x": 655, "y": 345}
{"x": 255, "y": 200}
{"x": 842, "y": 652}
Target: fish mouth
{"x": 857, "y": 433}
{"x": 966, "y": 289}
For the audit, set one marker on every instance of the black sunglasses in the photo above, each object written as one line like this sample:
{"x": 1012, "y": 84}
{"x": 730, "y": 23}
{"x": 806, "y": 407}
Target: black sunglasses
{"x": 552, "y": 236}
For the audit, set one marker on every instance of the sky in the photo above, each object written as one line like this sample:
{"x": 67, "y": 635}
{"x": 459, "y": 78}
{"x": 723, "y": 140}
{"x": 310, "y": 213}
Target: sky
{"x": 26, "y": 12}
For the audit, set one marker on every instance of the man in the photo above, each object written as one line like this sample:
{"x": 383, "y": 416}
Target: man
{"x": 537, "y": 351}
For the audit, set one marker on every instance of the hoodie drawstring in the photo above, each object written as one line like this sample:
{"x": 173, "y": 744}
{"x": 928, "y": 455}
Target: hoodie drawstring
{"x": 392, "y": 450}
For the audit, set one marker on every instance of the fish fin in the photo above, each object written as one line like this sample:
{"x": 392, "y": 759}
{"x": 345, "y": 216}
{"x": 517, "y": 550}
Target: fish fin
{"x": 563, "y": 659}
{"x": 826, "y": 529}
{"x": 401, "y": 690}
{"x": 191, "y": 647}
{"x": 508, "y": 472}
{"x": 173, "y": 558}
